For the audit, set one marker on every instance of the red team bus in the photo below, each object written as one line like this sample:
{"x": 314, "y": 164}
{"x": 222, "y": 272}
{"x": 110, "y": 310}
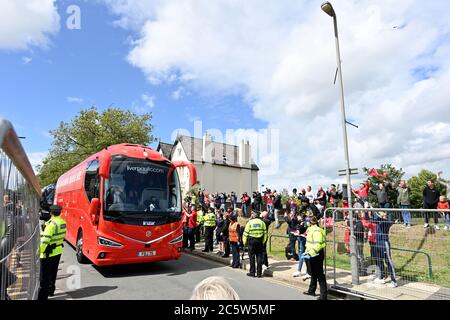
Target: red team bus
{"x": 123, "y": 205}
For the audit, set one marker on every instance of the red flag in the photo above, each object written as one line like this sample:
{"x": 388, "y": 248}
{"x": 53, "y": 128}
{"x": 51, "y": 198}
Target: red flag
{"x": 373, "y": 173}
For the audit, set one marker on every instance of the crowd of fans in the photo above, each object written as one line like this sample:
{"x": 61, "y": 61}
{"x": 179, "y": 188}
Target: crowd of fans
{"x": 214, "y": 216}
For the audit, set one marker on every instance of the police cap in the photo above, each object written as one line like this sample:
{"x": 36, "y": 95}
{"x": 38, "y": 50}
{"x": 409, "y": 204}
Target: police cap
{"x": 55, "y": 209}
{"x": 256, "y": 213}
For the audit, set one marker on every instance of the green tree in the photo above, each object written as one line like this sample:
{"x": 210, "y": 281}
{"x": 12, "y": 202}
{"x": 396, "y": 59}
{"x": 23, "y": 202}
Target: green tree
{"x": 89, "y": 132}
{"x": 419, "y": 182}
{"x": 285, "y": 197}
{"x": 388, "y": 174}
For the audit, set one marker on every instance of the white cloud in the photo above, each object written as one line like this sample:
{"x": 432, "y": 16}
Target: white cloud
{"x": 74, "y": 100}
{"x": 27, "y": 23}
{"x": 26, "y": 60}
{"x": 36, "y": 158}
{"x": 149, "y": 100}
{"x": 280, "y": 55}
{"x": 146, "y": 102}
{"x": 178, "y": 93}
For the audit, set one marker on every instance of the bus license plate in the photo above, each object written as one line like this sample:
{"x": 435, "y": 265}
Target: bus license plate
{"x": 146, "y": 253}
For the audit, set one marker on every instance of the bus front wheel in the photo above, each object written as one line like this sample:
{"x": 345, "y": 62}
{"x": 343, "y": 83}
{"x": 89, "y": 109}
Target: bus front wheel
{"x": 81, "y": 258}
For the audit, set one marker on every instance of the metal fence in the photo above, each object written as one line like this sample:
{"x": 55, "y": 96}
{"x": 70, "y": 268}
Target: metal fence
{"x": 19, "y": 219}
{"x": 385, "y": 257}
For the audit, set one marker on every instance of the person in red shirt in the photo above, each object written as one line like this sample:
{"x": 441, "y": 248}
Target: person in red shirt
{"x": 363, "y": 192}
{"x": 184, "y": 223}
{"x": 347, "y": 229}
{"x": 371, "y": 228}
{"x": 245, "y": 200}
{"x": 443, "y": 205}
{"x": 268, "y": 197}
{"x": 189, "y": 225}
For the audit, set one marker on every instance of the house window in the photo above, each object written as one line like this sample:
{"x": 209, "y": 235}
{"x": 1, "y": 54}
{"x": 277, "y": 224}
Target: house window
{"x": 179, "y": 152}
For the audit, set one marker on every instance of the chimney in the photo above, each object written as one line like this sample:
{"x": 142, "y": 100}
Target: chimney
{"x": 241, "y": 155}
{"x": 207, "y": 148}
{"x": 247, "y": 153}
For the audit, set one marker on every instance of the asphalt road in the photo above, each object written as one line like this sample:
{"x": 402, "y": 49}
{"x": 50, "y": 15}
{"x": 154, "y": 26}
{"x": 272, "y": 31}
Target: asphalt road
{"x": 170, "y": 280}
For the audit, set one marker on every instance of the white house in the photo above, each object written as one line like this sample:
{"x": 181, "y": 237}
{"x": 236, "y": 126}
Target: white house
{"x": 220, "y": 167}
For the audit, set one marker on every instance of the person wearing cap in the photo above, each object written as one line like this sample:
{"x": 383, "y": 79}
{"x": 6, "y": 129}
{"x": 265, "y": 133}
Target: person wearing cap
{"x": 315, "y": 245}
{"x": 255, "y": 236}
{"x": 210, "y": 225}
{"x": 51, "y": 249}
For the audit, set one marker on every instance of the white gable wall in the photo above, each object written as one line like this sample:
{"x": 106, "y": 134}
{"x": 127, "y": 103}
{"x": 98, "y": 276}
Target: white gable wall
{"x": 216, "y": 178}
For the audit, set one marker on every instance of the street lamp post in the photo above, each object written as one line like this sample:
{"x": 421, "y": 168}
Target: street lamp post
{"x": 328, "y": 9}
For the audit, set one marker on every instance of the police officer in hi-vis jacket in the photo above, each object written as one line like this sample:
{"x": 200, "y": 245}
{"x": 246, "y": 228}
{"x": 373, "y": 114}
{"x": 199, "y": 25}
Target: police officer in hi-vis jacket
{"x": 51, "y": 248}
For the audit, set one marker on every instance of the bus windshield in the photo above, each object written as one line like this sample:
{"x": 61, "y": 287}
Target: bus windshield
{"x": 139, "y": 187}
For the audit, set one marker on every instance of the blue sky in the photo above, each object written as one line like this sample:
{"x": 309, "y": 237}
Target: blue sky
{"x": 82, "y": 68}
{"x": 244, "y": 66}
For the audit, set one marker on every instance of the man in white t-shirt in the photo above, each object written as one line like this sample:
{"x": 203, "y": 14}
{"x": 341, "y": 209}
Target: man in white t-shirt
{"x": 309, "y": 194}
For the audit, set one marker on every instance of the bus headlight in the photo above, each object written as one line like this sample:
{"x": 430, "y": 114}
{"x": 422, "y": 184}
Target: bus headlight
{"x": 108, "y": 243}
{"x": 177, "y": 239}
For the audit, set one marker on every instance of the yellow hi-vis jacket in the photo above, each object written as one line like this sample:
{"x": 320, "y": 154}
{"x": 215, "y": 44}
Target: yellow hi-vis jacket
{"x": 255, "y": 228}
{"x": 200, "y": 217}
{"x": 210, "y": 220}
{"x": 315, "y": 240}
{"x": 53, "y": 234}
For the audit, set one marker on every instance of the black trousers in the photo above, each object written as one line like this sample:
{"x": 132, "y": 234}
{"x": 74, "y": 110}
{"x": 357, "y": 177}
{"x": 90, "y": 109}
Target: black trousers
{"x": 384, "y": 255}
{"x": 265, "y": 257}
{"x": 185, "y": 237}
{"x": 209, "y": 241}
{"x": 256, "y": 254}
{"x": 428, "y": 214}
{"x": 49, "y": 270}
{"x": 227, "y": 248}
{"x": 373, "y": 254}
{"x": 191, "y": 237}
{"x": 360, "y": 257}
{"x": 317, "y": 274}
{"x": 198, "y": 232}
{"x": 235, "y": 253}
{"x": 292, "y": 241}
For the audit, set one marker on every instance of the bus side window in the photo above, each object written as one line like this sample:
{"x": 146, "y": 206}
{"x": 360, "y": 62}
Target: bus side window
{"x": 92, "y": 180}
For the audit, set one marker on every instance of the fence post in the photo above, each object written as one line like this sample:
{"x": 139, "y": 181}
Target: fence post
{"x": 270, "y": 243}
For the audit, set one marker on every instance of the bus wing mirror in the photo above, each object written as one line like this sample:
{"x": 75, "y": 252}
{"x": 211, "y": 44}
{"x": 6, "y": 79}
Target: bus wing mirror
{"x": 94, "y": 210}
{"x": 191, "y": 168}
{"x": 105, "y": 165}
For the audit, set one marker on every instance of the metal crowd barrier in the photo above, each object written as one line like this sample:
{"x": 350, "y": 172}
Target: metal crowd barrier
{"x": 430, "y": 268}
{"x": 19, "y": 219}
{"x": 385, "y": 263}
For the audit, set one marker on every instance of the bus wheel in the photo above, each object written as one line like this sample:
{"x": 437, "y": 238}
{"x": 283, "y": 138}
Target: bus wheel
{"x": 81, "y": 258}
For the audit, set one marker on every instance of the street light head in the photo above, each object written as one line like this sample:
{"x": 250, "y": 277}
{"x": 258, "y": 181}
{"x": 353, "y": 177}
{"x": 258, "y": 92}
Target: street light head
{"x": 328, "y": 9}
